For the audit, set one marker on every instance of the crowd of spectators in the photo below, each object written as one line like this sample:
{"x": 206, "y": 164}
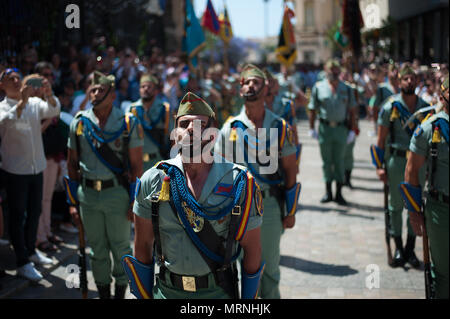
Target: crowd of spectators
{"x": 70, "y": 72}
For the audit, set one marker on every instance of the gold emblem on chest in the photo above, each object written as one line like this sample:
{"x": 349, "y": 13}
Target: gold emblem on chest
{"x": 196, "y": 222}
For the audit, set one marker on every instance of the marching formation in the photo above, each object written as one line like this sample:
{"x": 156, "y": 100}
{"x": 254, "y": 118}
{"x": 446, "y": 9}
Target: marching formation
{"x": 210, "y": 202}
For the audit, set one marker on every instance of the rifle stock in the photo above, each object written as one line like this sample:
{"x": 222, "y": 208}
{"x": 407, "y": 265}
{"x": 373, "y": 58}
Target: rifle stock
{"x": 82, "y": 261}
{"x": 427, "y": 266}
{"x": 387, "y": 223}
{"x": 427, "y": 263}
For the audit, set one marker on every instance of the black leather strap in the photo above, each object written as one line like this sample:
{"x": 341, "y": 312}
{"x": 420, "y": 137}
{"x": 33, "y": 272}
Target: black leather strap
{"x": 155, "y": 224}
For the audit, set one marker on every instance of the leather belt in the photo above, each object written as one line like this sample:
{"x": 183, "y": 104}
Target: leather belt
{"x": 397, "y": 152}
{"x": 146, "y": 157}
{"x": 186, "y": 283}
{"x": 331, "y": 123}
{"x": 99, "y": 185}
{"x": 438, "y": 196}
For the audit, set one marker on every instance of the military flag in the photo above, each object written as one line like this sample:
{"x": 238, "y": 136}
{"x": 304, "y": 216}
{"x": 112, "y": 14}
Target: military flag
{"x": 194, "y": 38}
{"x": 226, "y": 32}
{"x": 286, "y": 51}
{"x": 210, "y": 21}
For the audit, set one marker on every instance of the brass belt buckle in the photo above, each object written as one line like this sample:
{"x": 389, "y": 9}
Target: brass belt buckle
{"x": 333, "y": 124}
{"x": 146, "y": 157}
{"x": 189, "y": 284}
{"x": 98, "y": 185}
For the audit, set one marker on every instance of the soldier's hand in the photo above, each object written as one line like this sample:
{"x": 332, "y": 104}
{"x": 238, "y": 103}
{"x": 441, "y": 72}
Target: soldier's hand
{"x": 381, "y": 172}
{"x": 417, "y": 223}
{"x": 288, "y": 222}
{"x": 75, "y": 215}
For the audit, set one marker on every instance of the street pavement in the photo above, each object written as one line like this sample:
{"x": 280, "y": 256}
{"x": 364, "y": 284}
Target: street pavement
{"x": 333, "y": 252}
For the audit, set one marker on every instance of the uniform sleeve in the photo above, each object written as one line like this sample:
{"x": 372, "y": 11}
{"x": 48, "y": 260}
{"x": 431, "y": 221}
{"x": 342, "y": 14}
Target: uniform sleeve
{"x": 135, "y": 140}
{"x": 385, "y": 114}
{"x": 150, "y": 183}
{"x": 71, "y": 142}
{"x": 256, "y": 210}
{"x": 289, "y": 146}
{"x": 420, "y": 140}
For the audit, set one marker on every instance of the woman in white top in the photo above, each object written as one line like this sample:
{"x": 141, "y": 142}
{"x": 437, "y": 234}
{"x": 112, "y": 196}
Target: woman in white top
{"x": 23, "y": 161}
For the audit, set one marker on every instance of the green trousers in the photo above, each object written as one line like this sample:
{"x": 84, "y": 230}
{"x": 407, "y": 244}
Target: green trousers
{"x": 348, "y": 157}
{"x": 396, "y": 174}
{"x": 271, "y": 231}
{"x": 332, "y": 142}
{"x": 165, "y": 290}
{"x": 104, "y": 215}
{"x": 436, "y": 216}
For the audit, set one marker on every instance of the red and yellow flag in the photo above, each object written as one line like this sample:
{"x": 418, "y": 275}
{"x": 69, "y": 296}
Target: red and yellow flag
{"x": 225, "y": 32}
{"x": 286, "y": 51}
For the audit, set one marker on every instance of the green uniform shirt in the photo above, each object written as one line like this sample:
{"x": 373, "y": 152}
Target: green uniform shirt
{"x": 421, "y": 144}
{"x": 181, "y": 255}
{"x": 91, "y": 167}
{"x": 402, "y": 138}
{"x": 384, "y": 90}
{"x": 281, "y": 109}
{"x": 154, "y": 113}
{"x": 224, "y": 145}
{"x": 332, "y": 107}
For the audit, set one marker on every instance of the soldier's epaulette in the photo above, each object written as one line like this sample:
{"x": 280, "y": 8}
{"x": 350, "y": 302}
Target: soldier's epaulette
{"x": 79, "y": 114}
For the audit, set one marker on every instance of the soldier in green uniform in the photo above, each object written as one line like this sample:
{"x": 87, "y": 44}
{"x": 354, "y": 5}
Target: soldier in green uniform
{"x": 276, "y": 173}
{"x": 349, "y": 148}
{"x": 385, "y": 90}
{"x": 198, "y": 212}
{"x": 104, "y": 148}
{"x": 394, "y": 134}
{"x": 283, "y": 107}
{"x": 429, "y": 147}
{"x": 155, "y": 122}
{"x": 331, "y": 99}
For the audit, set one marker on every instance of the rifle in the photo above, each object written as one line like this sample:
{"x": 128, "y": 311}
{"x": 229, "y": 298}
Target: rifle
{"x": 82, "y": 261}
{"x": 427, "y": 264}
{"x": 387, "y": 223}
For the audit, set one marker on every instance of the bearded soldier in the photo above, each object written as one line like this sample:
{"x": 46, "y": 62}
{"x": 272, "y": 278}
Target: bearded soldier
{"x": 240, "y": 143}
{"x": 394, "y": 134}
{"x": 155, "y": 122}
{"x": 332, "y": 101}
{"x": 105, "y": 156}
{"x": 429, "y": 148}
{"x": 197, "y": 212}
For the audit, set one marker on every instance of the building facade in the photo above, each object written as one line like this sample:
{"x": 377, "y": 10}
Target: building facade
{"x": 314, "y": 20}
{"x": 422, "y": 30}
